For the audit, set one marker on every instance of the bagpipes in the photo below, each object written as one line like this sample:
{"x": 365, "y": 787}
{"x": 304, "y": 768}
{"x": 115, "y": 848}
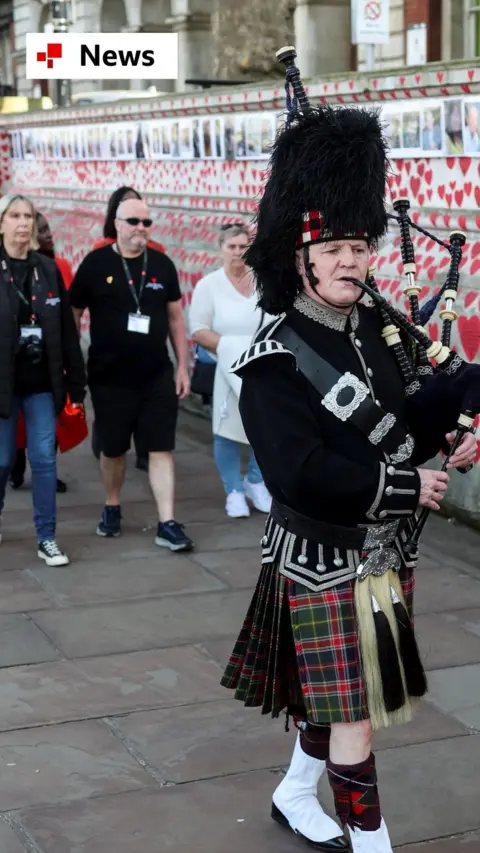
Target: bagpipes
{"x": 419, "y": 358}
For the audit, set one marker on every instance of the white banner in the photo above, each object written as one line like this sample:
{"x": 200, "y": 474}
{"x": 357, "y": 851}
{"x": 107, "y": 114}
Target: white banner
{"x": 102, "y": 56}
{"x": 370, "y": 21}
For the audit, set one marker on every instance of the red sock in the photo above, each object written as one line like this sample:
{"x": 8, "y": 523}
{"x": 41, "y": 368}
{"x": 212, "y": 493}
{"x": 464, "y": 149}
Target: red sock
{"x": 355, "y": 791}
{"x": 315, "y": 741}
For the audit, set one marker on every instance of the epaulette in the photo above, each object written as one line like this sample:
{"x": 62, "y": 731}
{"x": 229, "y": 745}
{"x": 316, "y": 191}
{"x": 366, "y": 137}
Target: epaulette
{"x": 258, "y": 350}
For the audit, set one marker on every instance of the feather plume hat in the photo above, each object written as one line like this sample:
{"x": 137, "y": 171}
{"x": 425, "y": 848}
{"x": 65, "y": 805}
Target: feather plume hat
{"x": 326, "y": 180}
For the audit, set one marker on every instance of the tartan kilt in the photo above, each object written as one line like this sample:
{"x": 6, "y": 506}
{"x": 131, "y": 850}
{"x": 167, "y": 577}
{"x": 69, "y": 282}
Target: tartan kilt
{"x": 299, "y": 651}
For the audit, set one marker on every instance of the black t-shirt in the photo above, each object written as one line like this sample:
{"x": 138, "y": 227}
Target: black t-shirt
{"x": 29, "y": 378}
{"x": 117, "y": 356}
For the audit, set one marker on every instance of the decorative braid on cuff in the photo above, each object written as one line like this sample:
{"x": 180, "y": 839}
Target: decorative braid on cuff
{"x": 397, "y": 494}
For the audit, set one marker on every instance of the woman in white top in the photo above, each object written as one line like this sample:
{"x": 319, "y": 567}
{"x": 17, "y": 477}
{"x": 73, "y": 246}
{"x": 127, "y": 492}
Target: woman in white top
{"x": 223, "y": 318}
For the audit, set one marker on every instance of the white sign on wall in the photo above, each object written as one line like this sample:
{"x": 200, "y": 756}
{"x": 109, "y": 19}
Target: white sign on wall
{"x": 370, "y": 21}
{"x": 417, "y": 44}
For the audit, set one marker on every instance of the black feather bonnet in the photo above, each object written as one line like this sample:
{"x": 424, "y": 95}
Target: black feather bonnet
{"x": 326, "y": 180}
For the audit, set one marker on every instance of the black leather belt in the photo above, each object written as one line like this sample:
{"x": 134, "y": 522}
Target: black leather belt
{"x": 331, "y": 535}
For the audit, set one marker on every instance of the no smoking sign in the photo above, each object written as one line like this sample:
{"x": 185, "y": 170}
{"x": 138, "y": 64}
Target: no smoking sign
{"x": 373, "y": 10}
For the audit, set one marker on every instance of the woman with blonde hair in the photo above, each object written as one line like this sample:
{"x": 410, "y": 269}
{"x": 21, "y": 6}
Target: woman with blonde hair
{"x": 40, "y": 362}
{"x": 223, "y": 318}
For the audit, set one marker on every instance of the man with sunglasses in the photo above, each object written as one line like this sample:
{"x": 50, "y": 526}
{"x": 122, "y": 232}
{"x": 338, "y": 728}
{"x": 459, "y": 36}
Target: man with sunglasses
{"x": 134, "y": 300}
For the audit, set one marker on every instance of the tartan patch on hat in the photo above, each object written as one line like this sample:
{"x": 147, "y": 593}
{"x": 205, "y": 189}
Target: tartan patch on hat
{"x": 312, "y": 227}
{"x": 313, "y": 230}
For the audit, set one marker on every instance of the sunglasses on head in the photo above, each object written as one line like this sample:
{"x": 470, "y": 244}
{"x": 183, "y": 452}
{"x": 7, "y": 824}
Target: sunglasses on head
{"x": 134, "y": 220}
{"x": 231, "y": 225}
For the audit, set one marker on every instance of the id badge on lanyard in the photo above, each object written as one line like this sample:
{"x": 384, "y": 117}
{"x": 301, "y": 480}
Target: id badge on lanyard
{"x": 139, "y": 323}
{"x": 33, "y": 330}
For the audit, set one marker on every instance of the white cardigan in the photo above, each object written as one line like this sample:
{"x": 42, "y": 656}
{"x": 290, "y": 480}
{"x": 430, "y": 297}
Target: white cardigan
{"x": 218, "y": 307}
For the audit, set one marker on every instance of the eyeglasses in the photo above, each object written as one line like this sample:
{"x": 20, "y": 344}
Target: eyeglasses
{"x": 134, "y": 220}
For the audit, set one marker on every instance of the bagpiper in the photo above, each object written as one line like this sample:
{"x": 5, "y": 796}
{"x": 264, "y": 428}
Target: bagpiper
{"x": 339, "y": 437}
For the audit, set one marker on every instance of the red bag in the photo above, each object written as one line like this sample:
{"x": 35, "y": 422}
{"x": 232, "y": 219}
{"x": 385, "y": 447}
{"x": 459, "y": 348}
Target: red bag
{"x": 72, "y": 427}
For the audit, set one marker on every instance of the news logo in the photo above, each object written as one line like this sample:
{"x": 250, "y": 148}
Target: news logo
{"x": 101, "y": 56}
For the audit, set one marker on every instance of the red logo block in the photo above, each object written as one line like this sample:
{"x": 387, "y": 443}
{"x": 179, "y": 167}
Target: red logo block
{"x": 54, "y": 51}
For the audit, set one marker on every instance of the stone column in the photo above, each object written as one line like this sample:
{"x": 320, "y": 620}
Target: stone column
{"x": 323, "y": 36}
{"x": 194, "y": 46}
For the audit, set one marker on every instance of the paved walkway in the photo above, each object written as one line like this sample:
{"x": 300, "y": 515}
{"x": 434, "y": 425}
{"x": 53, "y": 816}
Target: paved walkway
{"x": 115, "y": 736}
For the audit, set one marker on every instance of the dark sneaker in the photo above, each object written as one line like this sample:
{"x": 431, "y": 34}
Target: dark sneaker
{"x": 171, "y": 535}
{"x": 16, "y": 481}
{"x": 61, "y": 486}
{"x": 109, "y": 524}
{"x": 50, "y": 552}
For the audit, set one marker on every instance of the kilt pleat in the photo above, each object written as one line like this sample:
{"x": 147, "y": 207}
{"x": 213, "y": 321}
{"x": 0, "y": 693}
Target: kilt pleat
{"x": 298, "y": 651}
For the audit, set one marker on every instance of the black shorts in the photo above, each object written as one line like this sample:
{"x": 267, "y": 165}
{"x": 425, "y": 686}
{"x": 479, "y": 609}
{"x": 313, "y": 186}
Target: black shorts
{"x": 149, "y": 413}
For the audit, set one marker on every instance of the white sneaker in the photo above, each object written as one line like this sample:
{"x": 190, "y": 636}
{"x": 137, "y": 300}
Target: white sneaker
{"x": 50, "y": 552}
{"x": 236, "y": 505}
{"x": 258, "y": 495}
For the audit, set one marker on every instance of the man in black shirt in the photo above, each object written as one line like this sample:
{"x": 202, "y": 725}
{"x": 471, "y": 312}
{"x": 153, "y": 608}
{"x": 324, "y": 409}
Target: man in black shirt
{"x": 134, "y": 300}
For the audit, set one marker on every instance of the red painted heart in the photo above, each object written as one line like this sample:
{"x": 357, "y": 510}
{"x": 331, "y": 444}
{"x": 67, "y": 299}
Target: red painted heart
{"x": 441, "y": 191}
{"x": 469, "y": 332}
{"x": 470, "y": 297}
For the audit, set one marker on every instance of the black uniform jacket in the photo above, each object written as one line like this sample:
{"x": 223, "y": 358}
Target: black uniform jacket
{"x": 313, "y": 462}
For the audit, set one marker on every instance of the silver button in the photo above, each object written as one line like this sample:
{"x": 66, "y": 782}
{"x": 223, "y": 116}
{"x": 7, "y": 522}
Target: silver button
{"x": 358, "y": 343}
{"x": 389, "y": 490}
{"x": 264, "y": 540}
{"x": 321, "y": 568}
{"x": 369, "y": 371}
{"x": 338, "y": 562}
{"x": 391, "y": 470}
{"x": 378, "y": 402}
{"x": 302, "y": 560}
{"x": 383, "y": 513}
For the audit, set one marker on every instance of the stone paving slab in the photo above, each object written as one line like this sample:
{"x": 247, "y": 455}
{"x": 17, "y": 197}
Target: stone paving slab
{"x": 442, "y": 588}
{"x": 208, "y": 740}
{"x": 443, "y": 641}
{"x": 428, "y": 790}
{"x": 152, "y": 624}
{"x": 459, "y": 844}
{"x": 9, "y": 841}
{"x": 457, "y": 692}
{"x": 127, "y": 581}
{"x": 20, "y": 592}
{"x": 228, "y": 815}
{"x": 54, "y": 693}
{"x": 238, "y": 569}
{"x": 73, "y": 761}
{"x": 21, "y": 642}
{"x": 428, "y": 725}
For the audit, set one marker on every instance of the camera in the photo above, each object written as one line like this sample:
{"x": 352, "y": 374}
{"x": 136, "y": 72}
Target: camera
{"x": 32, "y": 346}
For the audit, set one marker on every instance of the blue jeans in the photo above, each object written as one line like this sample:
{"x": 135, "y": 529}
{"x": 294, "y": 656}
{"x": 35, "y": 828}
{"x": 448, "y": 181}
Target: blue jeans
{"x": 40, "y": 424}
{"x": 227, "y": 459}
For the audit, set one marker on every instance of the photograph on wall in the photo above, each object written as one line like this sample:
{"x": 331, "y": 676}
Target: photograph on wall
{"x": 259, "y": 136}
{"x": 240, "y": 137}
{"x": 471, "y": 126}
{"x": 453, "y": 135}
{"x": 219, "y": 138}
{"x": 432, "y": 128}
{"x": 186, "y": 139}
{"x": 206, "y": 136}
{"x": 196, "y": 139}
{"x": 229, "y": 138}
{"x": 28, "y": 147}
{"x": 411, "y": 130}
{"x": 393, "y": 130}
{"x": 175, "y": 139}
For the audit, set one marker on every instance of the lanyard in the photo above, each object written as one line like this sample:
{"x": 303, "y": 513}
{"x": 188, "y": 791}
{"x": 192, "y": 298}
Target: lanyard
{"x": 9, "y": 279}
{"x": 130, "y": 279}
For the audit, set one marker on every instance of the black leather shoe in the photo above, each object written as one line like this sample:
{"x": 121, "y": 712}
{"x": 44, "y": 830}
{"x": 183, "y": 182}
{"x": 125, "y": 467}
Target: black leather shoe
{"x": 335, "y": 845}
